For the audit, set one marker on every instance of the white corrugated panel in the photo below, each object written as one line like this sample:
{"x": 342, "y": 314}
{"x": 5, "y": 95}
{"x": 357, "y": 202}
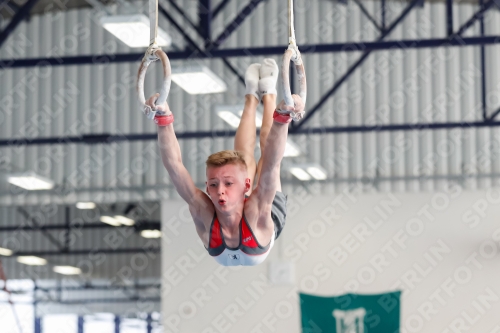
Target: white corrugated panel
{"x": 401, "y": 86}
{"x": 97, "y": 244}
{"x": 101, "y": 296}
{"x": 129, "y": 300}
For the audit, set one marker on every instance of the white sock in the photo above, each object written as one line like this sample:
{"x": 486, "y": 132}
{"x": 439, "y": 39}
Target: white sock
{"x": 269, "y": 72}
{"x": 252, "y": 81}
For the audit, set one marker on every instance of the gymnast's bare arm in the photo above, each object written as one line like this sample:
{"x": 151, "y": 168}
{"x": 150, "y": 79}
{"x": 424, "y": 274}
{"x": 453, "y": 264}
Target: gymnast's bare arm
{"x": 200, "y": 206}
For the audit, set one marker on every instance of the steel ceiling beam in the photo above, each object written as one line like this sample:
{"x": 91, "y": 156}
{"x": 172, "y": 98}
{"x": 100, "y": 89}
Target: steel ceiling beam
{"x": 196, "y": 53}
{"x": 219, "y": 8}
{"x": 47, "y": 235}
{"x": 231, "y": 27}
{"x": 47, "y": 227}
{"x": 141, "y": 300}
{"x": 234, "y": 70}
{"x": 20, "y": 15}
{"x": 9, "y": 6}
{"x": 96, "y": 287}
{"x": 192, "y": 44}
{"x": 355, "y": 66}
{"x": 493, "y": 116}
{"x": 369, "y": 16}
{"x": 483, "y": 66}
{"x": 205, "y": 32}
{"x": 398, "y": 127}
{"x": 87, "y": 251}
{"x": 382, "y": 13}
{"x": 183, "y": 14}
{"x": 255, "y": 51}
{"x": 449, "y": 17}
{"x": 3, "y": 3}
{"x": 205, "y": 20}
{"x": 456, "y": 36}
{"x": 108, "y": 138}
{"x": 478, "y": 15}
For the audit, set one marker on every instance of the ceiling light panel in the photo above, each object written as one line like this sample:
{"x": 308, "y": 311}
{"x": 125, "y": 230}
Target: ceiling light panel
{"x": 308, "y": 171}
{"x": 124, "y": 220}
{"x": 291, "y": 149}
{"x": 300, "y": 174}
{"x": 151, "y": 233}
{"x": 5, "y": 252}
{"x": 67, "y": 270}
{"x": 133, "y": 30}
{"x": 198, "y": 80}
{"x": 32, "y": 260}
{"x": 230, "y": 118}
{"x": 317, "y": 172}
{"x": 30, "y": 181}
{"x": 85, "y": 205}
{"x": 109, "y": 220}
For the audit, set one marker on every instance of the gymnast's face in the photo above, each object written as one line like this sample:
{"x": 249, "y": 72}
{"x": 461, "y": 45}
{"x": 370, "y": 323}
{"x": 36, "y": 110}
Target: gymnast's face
{"x": 226, "y": 185}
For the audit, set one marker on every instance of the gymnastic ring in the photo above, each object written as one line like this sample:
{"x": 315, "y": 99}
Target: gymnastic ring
{"x": 293, "y": 54}
{"x": 167, "y": 80}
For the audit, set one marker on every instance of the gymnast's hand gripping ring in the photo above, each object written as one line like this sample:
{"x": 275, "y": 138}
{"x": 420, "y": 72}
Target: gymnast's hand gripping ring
{"x": 293, "y": 54}
{"x": 152, "y": 54}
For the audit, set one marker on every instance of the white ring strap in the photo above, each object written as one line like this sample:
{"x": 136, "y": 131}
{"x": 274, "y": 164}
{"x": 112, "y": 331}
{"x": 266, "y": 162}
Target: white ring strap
{"x": 292, "y": 54}
{"x": 153, "y": 22}
{"x": 291, "y": 24}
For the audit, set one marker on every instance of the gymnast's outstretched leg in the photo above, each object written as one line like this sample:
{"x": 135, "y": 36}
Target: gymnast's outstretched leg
{"x": 269, "y": 72}
{"x": 245, "y": 138}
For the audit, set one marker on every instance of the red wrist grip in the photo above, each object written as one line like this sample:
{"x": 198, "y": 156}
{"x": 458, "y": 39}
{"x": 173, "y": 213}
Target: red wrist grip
{"x": 164, "y": 120}
{"x": 281, "y": 118}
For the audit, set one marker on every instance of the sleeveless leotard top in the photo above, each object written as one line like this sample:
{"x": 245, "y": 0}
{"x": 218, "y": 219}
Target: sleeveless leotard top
{"x": 248, "y": 253}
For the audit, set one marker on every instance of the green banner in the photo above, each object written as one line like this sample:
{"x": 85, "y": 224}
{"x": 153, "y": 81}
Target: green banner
{"x": 351, "y": 313}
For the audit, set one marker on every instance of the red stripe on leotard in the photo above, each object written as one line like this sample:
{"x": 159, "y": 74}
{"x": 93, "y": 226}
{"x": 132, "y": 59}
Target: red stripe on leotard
{"x": 247, "y": 238}
{"x": 215, "y": 234}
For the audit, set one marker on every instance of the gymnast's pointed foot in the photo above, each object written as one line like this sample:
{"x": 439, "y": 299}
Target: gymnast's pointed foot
{"x": 269, "y": 72}
{"x": 252, "y": 76}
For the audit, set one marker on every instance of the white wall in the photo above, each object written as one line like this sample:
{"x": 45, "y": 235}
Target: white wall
{"x": 440, "y": 248}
